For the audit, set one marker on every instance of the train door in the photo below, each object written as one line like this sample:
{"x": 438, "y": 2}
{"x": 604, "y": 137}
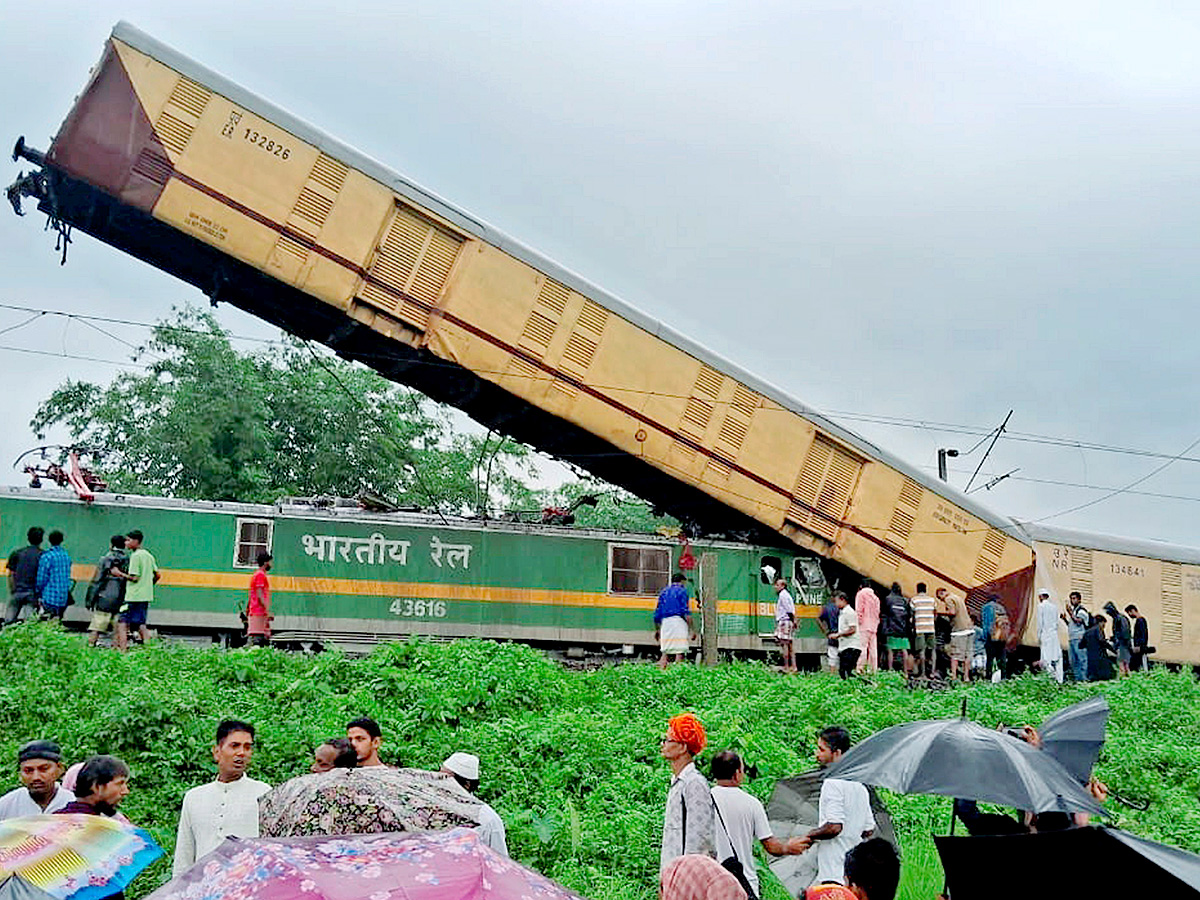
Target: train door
{"x": 770, "y": 567}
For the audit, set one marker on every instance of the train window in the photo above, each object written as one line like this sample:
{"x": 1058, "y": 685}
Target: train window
{"x": 638, "y": 570}
{"x": 253, "y": 537}
{"x": 770, "y": 568}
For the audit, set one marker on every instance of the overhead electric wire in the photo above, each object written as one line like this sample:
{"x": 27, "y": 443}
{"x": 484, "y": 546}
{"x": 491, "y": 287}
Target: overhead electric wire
{"x": 382, "y": 426}
{"x": 945, "y": 427}
{"x": 835, "y": 415}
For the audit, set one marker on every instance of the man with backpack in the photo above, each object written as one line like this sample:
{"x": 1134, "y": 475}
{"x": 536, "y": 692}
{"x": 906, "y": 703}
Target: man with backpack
{"x": 1122, "y": 636}
{"x": 894, "y": 621}
{"x": 997, "y": 629}
{"x": 106, "y": 593}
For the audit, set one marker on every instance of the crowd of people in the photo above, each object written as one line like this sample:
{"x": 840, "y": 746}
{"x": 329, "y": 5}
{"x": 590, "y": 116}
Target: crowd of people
{"x": 227, "y": 805}
{"x": 710, "y": 831}
{"x": 119, "y": 595}
{"x": 937, "y": 639}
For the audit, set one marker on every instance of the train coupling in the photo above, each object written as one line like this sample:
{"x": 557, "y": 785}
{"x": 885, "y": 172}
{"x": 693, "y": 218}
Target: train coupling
{"x": 31, "y": 185}
{"x": 21, "y": 151}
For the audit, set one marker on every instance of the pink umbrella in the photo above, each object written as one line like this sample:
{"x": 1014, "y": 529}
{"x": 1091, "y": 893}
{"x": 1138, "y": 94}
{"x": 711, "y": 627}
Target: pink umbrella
{"x": 443, "y": 865}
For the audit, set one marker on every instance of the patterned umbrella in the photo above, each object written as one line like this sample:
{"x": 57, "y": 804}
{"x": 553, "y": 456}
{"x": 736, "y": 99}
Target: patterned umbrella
{"x": 444, "y": 865}
{"x": 366, "y": 801}
{"x": 75, "y": 856}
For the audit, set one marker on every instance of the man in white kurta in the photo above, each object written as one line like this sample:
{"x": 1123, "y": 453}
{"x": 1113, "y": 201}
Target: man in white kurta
{"x": 465, "y": 769}
{"x": 1048, "y": 643}
{"x": 221, "y": 808}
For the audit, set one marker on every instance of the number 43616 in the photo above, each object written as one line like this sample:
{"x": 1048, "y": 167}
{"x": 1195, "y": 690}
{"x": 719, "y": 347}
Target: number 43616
{"x": 419, "y": 609}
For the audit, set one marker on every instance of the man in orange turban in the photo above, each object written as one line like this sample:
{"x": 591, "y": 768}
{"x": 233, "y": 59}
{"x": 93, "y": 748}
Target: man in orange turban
{"x": 686, "y": 729}
{"x": 688, "y": 818}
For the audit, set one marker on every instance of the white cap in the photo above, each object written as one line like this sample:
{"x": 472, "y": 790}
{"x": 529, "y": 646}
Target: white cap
{"x": 464, "y": 765}
{"x": 1043, "y": 593}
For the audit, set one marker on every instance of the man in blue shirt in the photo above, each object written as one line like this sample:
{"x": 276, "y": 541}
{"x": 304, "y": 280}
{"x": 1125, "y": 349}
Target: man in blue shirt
{"x": 673, "y": 621}
{"x": 54, "y": 578}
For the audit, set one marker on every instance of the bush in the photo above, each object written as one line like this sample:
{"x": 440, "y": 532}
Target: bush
{"x": 570, "y": 760}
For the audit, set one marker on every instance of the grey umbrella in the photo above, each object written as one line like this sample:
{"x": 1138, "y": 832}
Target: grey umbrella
{"x": 957, "y": 758}
{"x": 1075, "y": 735}
{"x": 14, "y": 887}
{"x": 793, "y": 812}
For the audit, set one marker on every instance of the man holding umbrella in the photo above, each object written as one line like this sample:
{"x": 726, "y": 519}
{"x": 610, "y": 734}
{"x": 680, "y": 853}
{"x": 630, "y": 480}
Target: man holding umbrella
{"x": 844, "y": 811}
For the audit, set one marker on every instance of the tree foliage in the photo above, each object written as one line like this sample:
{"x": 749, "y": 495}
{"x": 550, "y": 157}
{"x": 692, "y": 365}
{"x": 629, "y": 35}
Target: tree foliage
{"x": 207, "y": 421}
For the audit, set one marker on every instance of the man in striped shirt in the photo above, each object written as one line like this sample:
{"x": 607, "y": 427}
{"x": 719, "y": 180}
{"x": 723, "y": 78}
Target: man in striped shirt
{"x": 924, "y": 641}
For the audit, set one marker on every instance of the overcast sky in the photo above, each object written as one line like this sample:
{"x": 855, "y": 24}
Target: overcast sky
{"x": 927, "y": 212}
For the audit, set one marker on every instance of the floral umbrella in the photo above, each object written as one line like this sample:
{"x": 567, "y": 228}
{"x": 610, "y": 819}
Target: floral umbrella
{"x": 366, "y": 801}
{"x": 74, "y": 856}
{"x": 444, "y": 865}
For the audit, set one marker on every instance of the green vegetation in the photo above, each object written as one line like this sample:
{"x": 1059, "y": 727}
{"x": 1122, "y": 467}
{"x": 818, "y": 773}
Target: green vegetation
{"x": 570, "y": 759}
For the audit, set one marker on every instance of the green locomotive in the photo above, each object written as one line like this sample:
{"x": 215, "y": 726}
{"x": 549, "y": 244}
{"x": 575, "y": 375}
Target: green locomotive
{"x": 348, "y": 577}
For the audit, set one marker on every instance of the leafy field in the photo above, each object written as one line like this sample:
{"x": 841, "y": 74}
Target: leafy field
{"x": 570, "y": 760}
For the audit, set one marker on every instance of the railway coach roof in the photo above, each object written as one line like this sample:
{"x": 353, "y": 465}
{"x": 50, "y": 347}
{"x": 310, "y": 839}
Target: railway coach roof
{"x": 1112, "y": 544}
{"x": 480, "y": 229}
{"x": 354, "y": 515}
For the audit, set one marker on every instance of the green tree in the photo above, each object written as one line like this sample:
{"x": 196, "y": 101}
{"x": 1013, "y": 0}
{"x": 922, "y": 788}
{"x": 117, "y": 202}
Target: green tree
{"x": 207, "y": 421}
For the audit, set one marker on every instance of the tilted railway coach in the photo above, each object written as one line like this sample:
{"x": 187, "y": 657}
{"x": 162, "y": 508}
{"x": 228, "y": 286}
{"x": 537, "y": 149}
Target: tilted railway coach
{"x": 180, "y": 167}
{"x": 350, "y": 578}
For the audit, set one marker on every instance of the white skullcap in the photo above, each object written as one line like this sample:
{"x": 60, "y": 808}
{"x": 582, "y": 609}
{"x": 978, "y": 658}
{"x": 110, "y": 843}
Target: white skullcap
{"x": 464, "y": 765}
{"x": 1044, "y": 592}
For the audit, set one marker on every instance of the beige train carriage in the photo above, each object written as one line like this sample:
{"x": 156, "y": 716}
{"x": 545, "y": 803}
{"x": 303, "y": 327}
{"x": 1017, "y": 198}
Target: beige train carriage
{"x": 1161, "y": 580}
{"x": 177, "y": 165}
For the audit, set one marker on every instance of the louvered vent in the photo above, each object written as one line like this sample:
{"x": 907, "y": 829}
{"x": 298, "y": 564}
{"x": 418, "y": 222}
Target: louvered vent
{"x": 311, "y": 209}
{"x": 580, "y": 351}
{"x": 1081, "y": 572}
{"x": 177, "y": 120}
{"x": 736, "y": 424}
{"x": 824, "y": 487}
{"x": 411, "y": 267}
{"x": 888, "y": 559}
{"x": 709, "y": 382}
{"x": 540, "y": 328}
{"x": 988, "y": 563}
{"x": 1171, "y": 624}
{"x": 904, "y": 514}
{"x": 153, "y": 165}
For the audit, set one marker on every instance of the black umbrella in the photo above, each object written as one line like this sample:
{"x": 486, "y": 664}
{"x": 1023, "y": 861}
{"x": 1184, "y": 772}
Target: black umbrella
{"x": 957, "y": 758}
{"x": 14, "y": 887}
{"x": 1075, "y": 735}
{"x": 1081, "y": 862}
{"x": 793, "y": 812}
